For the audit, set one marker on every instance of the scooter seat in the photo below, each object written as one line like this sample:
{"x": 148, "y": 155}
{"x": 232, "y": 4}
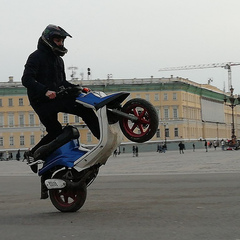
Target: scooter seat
{"x": 69, "y": 133}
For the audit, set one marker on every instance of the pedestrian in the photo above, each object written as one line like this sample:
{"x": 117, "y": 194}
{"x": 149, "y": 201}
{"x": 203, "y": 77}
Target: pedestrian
{"x": 115, "y": 153}
{"x": 164, "y": 147}
{"x": 181, "y": 147}
{"x": 215, "y": 144}
{"x": 193, "y": 147}
{"x": 136, "y": 151}
{"x": 7, "y": 156}
{"x": 223, "y": 145}
{"x": 43, "y": 76}
{"x": 118, "y": 151}
{"x": 160, "y": 148}
{"x": 206, "y": 145}
{"x": 18, "y": 155}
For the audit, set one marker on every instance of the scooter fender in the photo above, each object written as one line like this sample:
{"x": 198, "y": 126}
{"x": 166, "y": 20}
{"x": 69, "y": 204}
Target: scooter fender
{"x": 97, "y": 100}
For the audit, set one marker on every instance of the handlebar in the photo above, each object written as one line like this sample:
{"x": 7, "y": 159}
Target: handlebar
{"x": 72, "y": 91}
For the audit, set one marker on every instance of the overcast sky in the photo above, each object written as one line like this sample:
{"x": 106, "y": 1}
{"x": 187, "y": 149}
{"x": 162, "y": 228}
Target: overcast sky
{"x": 127, "y": 38}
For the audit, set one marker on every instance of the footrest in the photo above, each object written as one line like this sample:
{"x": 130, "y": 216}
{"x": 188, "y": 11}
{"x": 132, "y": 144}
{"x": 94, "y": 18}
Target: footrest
{"x": 35, "y": 162}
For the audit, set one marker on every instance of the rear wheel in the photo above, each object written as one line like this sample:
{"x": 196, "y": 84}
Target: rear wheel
{"x": 67, "y": 200}
{"x": 145, "y": 127}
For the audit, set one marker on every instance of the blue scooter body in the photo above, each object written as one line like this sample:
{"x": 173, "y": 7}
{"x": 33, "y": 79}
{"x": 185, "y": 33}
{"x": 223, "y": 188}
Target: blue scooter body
{"x": 69, "y": 153}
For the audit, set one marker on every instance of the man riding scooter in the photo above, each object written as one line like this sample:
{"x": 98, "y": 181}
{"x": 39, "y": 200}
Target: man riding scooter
{"x": 43, "y": 76}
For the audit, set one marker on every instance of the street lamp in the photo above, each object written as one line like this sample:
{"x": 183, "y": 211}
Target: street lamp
{"x": 165, "y": 133}
{"x": 233, "y": 103}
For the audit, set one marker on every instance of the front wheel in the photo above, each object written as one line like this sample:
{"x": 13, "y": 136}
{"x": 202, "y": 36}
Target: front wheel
{"x": 67, "y": 199}
{"x": 146, "y": 125}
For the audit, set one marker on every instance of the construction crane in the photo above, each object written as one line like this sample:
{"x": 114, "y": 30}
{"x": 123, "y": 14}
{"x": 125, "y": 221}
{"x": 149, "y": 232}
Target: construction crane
{"x": 226, "y": 65}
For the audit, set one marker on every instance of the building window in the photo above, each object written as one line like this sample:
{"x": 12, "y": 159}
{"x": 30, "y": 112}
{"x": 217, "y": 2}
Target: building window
{"x": 11, "y": 141}
{"x": 166, "y": 132}
{"x": 165, "y": 96}
{"x": 1, "y": 120}
{"x": 1, "y": 141}
{"x": 166, "y": 113}
{"x": 175, "y": 132}
{"x": 10, "y": 102}
{"x": 21, "y": 120}
{"x": 158, "y": 135}
{"x": 156, "y": 97}
{"x": 32, "y": 140}
{"x": 10, "y": 120}
{"x": 0, "y": 102}
{"x": 20, "y": 101}
{"x": 175, "y": 112}
{"x": 31, "y": 119}
{"x": 89, "y": 137}
{"x": 21, "y": 140}
{"x": 147, "y": 97}
{"x": 174, "y": 96}
{"x": 158, "y": 112}
{"x": 65, "y": 118}
{"x": 138, "y": 95}
{"x": 77, "y": 119}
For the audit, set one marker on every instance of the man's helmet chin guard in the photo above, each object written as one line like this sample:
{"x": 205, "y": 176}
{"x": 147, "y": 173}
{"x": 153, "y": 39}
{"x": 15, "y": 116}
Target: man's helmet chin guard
{"x": 53, "y": 31}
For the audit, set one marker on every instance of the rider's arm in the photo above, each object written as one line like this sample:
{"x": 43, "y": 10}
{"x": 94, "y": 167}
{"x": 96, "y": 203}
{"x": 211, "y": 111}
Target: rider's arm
{"x": 29, "y": 78}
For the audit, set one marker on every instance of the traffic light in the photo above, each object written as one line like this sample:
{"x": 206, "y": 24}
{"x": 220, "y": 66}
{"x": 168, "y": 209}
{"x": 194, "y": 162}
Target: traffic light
{"x": 89, "y": 71}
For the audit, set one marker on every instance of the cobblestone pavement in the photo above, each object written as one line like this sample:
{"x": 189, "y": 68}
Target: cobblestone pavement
{"x": 152, "y": 163}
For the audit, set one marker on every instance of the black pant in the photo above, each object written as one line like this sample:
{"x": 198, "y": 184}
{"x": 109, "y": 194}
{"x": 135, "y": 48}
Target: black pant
{"x": 48, "y": 115}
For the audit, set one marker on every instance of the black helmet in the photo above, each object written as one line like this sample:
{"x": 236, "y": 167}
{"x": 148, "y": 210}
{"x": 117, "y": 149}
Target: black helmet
{"x": 53, "y": 31}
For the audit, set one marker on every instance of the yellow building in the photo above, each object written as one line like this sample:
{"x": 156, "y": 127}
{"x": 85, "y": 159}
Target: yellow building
{"x": 187, "y": 111}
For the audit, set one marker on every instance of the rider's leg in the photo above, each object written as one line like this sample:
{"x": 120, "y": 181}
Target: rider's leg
{"x": 87, "y": 114}
{"x": 53, "y": 128}
{"x": 47, "y": 113}
{"x": 49, "y": 119}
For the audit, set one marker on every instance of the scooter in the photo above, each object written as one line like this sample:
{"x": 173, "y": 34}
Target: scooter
{"x": 69, "y": 168}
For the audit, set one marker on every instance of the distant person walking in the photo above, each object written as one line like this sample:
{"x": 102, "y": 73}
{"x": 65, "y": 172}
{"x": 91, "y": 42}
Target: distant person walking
{"x": 136, "y": 151}
{"x": 223, "y": 144}
{"x": 193, "y": 146}
{"x": 215, "y": 144}
{"x": 206, "y": 145}
{"x": 181, "y": 147}
{"x": 7, "y": 155}
{"x": 18, "y": 155}
{"x": 115, "y": 153}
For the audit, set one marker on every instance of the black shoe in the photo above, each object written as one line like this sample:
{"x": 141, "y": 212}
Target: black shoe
{"x": 44, "y": 195}
{"x": 44, "y": 191}
{"x": 30, "y": 161}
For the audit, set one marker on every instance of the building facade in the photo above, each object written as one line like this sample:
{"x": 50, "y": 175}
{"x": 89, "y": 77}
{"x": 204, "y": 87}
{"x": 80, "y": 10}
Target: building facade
{"x": 187, "y": 111}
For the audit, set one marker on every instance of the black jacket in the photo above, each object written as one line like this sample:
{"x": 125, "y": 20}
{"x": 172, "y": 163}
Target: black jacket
{"x": 43, "y": 71}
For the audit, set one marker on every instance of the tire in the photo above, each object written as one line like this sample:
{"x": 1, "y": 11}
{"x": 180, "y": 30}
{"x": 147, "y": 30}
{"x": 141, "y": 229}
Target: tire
{"x": 67, "y": 200}
{"x": 147, "y": 123}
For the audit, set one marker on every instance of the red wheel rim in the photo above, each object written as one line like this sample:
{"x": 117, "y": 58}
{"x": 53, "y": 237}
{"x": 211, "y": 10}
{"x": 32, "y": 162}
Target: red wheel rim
{"x": 66, "y": 198}
{"x": 142, "y": 126}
